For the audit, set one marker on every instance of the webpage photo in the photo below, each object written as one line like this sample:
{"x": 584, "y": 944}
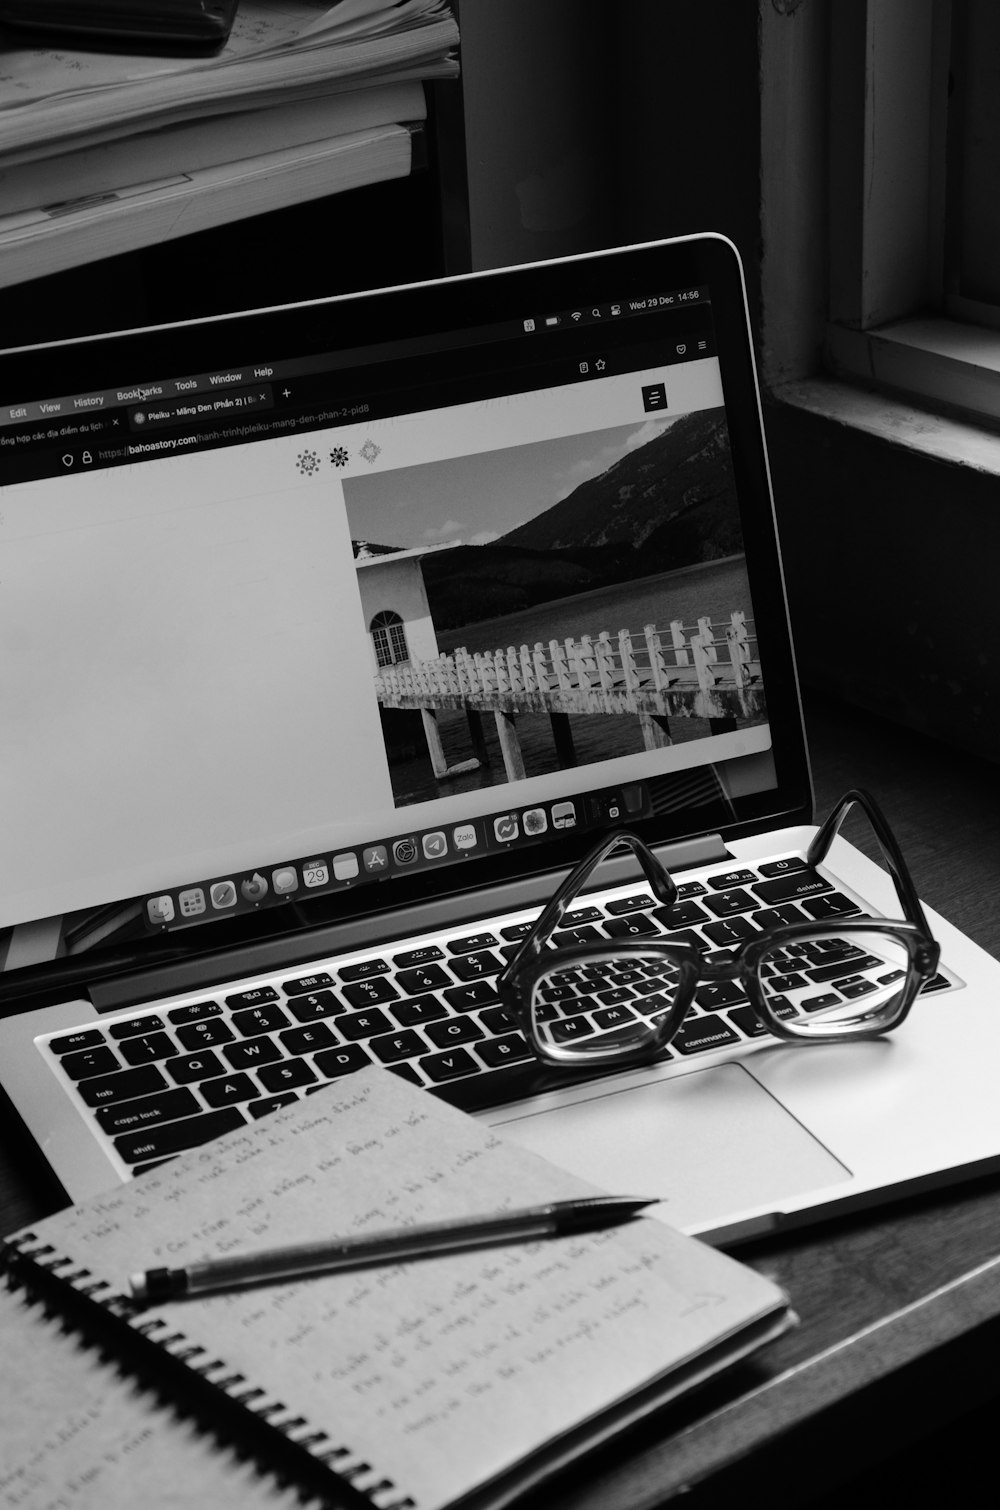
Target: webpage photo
{"x": 236, "y": 656}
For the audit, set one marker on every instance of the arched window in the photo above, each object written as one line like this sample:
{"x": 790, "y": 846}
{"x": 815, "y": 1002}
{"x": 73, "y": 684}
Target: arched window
{"x": 389, "y": 635}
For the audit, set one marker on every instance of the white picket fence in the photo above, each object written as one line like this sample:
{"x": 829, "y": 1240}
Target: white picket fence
{"x": 708, "y": 671}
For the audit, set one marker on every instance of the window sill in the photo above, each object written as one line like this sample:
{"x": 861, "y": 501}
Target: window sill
{"x": 937, "y": 360}
{"x": 942, "y": 437}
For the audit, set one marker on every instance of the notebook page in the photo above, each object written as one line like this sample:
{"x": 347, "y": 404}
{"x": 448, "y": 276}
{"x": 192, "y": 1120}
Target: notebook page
{"x": 75, "y": 1435}
{"x": 436, "y": 1373}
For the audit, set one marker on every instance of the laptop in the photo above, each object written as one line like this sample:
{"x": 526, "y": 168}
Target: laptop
{"x": 334, "y": 635}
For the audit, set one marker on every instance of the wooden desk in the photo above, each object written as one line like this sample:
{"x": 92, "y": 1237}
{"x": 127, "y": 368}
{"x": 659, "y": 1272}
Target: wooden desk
{"x": 890, "y": 1372}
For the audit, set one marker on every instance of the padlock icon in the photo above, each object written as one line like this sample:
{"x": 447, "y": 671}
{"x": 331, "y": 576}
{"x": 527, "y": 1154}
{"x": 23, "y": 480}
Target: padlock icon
{"x": 87, "y": 458}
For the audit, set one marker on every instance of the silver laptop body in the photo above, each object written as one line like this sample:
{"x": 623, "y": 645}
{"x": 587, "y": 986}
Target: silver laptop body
{"x": 333, "y": 636}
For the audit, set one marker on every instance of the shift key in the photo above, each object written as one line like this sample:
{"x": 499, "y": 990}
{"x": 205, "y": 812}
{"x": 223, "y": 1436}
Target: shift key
{"x": 175, "y": 1137}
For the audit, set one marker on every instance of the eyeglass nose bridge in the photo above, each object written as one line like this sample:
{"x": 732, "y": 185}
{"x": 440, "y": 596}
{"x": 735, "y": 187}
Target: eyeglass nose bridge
{"x": 721, "y": 969}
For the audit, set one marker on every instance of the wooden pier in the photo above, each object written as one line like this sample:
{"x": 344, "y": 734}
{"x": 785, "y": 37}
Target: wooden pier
{"x": 710, "y": 672}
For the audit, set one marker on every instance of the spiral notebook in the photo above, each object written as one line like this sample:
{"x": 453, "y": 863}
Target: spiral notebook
{"x": 457, "y": 1380}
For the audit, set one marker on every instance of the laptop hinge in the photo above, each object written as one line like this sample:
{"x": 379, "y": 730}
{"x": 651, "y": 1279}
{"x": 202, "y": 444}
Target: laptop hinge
{"x": 373, "y": 932}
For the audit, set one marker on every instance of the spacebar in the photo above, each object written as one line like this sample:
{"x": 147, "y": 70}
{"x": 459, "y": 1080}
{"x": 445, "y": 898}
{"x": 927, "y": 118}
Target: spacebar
{"x": 158, "y": 1142}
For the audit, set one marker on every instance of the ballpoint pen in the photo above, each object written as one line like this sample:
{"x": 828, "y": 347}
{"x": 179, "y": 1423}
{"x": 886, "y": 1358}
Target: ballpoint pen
{"x": 556, "y": 1219}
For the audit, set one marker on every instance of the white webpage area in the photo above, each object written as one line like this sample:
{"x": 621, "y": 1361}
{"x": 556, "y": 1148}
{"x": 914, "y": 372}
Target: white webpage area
{"x": 187, "y": 677}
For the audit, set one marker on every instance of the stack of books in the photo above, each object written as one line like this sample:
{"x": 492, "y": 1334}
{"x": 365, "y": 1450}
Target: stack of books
{"x": 101, "y": 153}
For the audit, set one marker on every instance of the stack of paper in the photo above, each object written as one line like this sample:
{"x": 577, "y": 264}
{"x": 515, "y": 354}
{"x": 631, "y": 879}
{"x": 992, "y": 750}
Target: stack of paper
{"x": 103, "y": 152}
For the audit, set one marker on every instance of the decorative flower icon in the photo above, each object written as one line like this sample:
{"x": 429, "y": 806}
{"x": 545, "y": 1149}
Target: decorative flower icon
{"x": 307, "y": 463}
{"x": 338, "y": 456}
{"x": 370, "y": 450}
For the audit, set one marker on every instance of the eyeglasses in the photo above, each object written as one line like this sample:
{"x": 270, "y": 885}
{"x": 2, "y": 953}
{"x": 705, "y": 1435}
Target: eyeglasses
{"x": 605, "y": 1001}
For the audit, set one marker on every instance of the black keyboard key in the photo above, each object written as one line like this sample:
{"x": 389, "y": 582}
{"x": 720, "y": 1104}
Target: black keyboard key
{"x": 422, "y": 978}
{"x": 801, "y": 883}
{"x": 509, "y": 1049}
{"x": 267, "y": 1104}
{"x": 86, "y": 1062}
{"x": 568, "y": 938}
{"x": 636, "y": 926}
{"x": 819, "y": 973}
{"x": 86, "y": 1038}
{"x": 302, "y": 985}
{"x": 730, "y": 878}
{"x": 131, "y": 1027}
{"x": 817, "y": 1003}
{"x": 370, "y": 993}
{"x": 315, "y": 1005}
{"x": 793, "y": 982}
{"x": 583, "y": 915}
{"x": 265, "y": 1019}
{"x": 497, "y": 1020}
{"x": 700, "y": 1033}
{"x": 255, "y": 996}
{"x": 516, "y": 931}
{"x": 174, "y": 1137}
{"x": 613, "y": 1017}
{"x": 726, "y": 903}
{"x": 471, "y": 966}
{"x": 835, "y": 905}
{"x": 149, "y": 1111}
{"x": 146, "y": 1049}
{"x": 188, "y": 1068}
{"x": 719, "y": 994}
{"x": 572, "y": 1028}
{"x": 456, "y": 1062}
{"x": 364, "y": 970}
{"x": 691, "y": 889}
{"x": 229, "y": 1088}
{"x": 195, "y": 1012}
{"x": 730, "y": 930}
{"x": 683, "y": 914}
{"x": 782, "y": 867}
{"x": 308, "y": 1040}
{"x": 391, "y": 1047}
{"x": 854, "y": 988}
{"x": 419, "y": 1009}
{"x": 122, "y": 1086}
{"x": 247, "y": 1056}
{"x": 621, "y": 906}
{"x": 342, "y": 1061}
{"x": 288, "y": 1075}
{"x": 355, "y": 1025}
{"x": 747, "y": 1021}
{"x": 471, "y": 943}
{"x": 454, "y": 1030}
{"x": 205, "y": 1035}
{"x": 614, "y": 994}
{"x": 422, "y": 956}
{"x": 780, "y": 916}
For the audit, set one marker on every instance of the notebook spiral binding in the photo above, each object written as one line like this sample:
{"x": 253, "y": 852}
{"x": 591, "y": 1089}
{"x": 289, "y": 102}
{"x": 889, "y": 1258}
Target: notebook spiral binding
{"x": 348, "y": 1467}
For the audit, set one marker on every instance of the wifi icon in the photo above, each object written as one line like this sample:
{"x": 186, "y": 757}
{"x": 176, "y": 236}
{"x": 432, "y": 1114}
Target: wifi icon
{"x": 577, "y": 314}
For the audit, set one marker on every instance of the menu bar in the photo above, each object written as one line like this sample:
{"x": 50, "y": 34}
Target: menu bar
{"x": 249, "y": 374}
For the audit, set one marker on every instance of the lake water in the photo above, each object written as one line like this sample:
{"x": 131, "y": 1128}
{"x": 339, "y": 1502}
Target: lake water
{"x": 714, "y": 590}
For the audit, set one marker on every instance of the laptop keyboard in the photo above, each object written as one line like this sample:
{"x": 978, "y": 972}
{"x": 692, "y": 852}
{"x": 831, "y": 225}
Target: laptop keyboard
{"x": 156, "y": 1081}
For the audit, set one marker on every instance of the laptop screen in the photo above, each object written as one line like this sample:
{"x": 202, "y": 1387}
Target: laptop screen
{"x": 310, "y": 612}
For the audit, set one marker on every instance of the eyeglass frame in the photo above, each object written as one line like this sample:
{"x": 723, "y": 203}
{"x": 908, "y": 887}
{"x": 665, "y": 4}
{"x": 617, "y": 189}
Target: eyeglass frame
{"x": 534, "y": 959}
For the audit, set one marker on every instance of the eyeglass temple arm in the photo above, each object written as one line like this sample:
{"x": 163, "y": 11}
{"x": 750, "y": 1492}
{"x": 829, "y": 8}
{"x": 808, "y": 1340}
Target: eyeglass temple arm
{"x": 891, "y": 853}
{"x": 661, "y": 883}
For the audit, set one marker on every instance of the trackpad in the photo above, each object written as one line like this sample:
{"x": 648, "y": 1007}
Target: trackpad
{"x": 712, "y": 1143}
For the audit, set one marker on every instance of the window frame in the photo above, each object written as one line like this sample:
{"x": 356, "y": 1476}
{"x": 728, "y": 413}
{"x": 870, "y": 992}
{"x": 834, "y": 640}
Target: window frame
{"x": 893, "y": 323}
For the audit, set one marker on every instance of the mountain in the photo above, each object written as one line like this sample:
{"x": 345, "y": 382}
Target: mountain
{"x": 670, "y": 503}
{"x": 685, "y": 468}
